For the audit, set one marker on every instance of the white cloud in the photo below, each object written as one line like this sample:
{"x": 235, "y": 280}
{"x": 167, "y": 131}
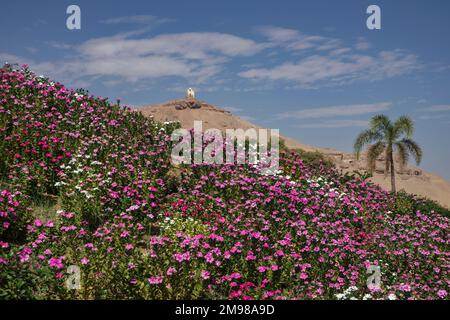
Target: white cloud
{"x": 295, "y": 40}
{"x": 193, "y": 45}
{"x": 336, "y": 111}
{"x": 362, "y": 44}
{"x": 137, "y": 19}
{"x": 248, "y": 118}
{"x": 196, "y": 55}
{"x": 232, "y": 109}
{"x": 437, "y": 108}
{"x": 337, "y": 69}
{"x": 201, "y": 57}
{"x": 329, "y": 61}
{"x": 331, "y": 124}
{"x": 432, "y": 117}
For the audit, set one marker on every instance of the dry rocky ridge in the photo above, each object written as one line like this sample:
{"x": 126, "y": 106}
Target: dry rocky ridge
{"x": 411, "y": 179}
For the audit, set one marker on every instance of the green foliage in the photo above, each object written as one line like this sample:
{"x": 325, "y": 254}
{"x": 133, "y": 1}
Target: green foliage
{"x": 348, "y": 176}
{"x": 384, "y": 136}
{"x": 189, "y": 226}
{"x": 406, "y": 203}
{"x": 314, "y": 158}
{"x": 19, "y": 281}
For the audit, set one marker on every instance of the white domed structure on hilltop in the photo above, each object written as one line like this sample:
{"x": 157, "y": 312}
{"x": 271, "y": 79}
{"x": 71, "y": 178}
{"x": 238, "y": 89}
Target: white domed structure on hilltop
{"x": 190, "y": 94}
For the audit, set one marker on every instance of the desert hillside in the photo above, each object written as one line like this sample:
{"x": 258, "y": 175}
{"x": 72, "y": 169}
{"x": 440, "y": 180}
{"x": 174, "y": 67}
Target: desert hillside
{"x": 410, "y": 179}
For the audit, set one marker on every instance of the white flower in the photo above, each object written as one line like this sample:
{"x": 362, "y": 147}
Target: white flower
{"x": 339, "y": 296}
{"x": 392, "y": 296}
{"x": 352, "y": 288}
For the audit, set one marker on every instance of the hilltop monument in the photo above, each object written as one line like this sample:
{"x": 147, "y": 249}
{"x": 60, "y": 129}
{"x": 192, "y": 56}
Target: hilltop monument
{"x": 190, "y": 94}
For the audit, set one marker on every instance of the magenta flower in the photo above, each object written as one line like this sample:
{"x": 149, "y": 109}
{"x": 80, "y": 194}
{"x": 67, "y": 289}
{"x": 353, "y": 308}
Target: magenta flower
{"x": 262, "y": 269}
{"x": 205, "y": 274}
{"x": 155, "y": 280}
{"x": 442, "y": 294}
{"x": 56, "y": 263}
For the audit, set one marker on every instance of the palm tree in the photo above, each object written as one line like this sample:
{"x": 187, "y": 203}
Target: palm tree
{"x": 385, "y": 136}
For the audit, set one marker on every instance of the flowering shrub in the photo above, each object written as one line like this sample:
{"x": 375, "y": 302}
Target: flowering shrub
{"x": 137, "y": 227}
{"x": 14, "y": 216}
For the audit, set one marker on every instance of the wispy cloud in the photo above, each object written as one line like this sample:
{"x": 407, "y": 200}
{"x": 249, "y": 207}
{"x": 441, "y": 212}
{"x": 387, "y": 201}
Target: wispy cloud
{"x": 232, "y": 109}
{"x": 196, "y": 55}
{"x": 337, "y": 69}
{"x": 327, "y": 61}
{"x": 331, "y": 124}
{"x": 248, "y": 118}
{"x": 435, "y": 112}
{"x": 362, "y": 44}
{"x": 436, "y": 108}
{"x": 203, "y": 57}
{"x": 295, "y": 40}
{"x": 336, "y": 111}
{"x": 137, "y": 19}
{"x": 433, "y": 116}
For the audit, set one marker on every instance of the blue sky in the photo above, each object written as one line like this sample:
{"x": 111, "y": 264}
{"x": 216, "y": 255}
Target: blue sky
{"x": 310, "y": 68}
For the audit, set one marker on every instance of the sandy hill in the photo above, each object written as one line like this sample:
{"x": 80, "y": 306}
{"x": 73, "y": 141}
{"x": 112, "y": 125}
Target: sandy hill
{"x": 410, "y": 179}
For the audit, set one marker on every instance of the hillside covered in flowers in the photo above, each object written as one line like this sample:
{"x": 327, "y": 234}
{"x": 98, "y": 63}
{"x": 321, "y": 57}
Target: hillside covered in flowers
{"x": 138, "y": 227}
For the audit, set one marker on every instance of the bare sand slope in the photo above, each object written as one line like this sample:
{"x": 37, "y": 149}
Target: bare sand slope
{"x": 410, "y": 179}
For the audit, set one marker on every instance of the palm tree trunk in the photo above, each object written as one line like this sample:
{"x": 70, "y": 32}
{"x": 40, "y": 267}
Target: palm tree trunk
{"x": 392, "y": 174}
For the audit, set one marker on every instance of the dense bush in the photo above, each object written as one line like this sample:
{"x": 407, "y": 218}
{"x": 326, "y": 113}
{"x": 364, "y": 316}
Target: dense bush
{"x": 314, "y": 158}
{"x": 406, "y": 203}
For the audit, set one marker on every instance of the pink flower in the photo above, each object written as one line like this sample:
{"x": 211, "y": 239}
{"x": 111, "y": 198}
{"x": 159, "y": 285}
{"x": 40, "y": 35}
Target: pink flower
{"x": 180, "y": 257}
{"x": 56, "y": 263}
{"x": 405, "y": 287}
{"x": 442, "y": 294}
{"x": 235, "y": 275}
{"x": 250, "y": 256}
{"x": 262, "y": 269}
{"x": 171, "y": 271}
{"x": 205, "y": 274}
{"x": 114, "y": 195}
{"x": 155, "y": 280}
{"x": 84, "y": 261}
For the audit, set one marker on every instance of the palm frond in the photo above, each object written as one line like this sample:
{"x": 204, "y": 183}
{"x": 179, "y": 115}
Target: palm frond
{"x": 413, "y": 149}
{"x": 373, "y": 152}
{"x": 380, "y": 122}
{"x": 403, "y": 154}
{"x": 403, "y": 125}
{"x": 363, "y": 139}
